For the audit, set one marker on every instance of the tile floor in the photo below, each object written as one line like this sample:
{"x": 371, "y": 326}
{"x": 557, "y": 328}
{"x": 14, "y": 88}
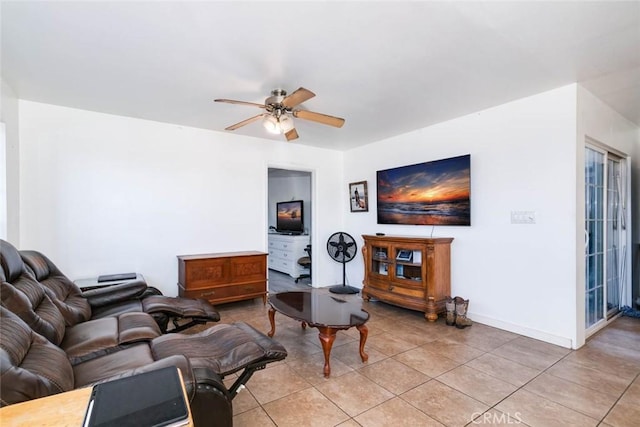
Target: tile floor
{"x": 430, "y": 374}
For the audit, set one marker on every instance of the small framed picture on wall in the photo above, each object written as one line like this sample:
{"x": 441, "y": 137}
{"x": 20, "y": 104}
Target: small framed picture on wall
{"x": 358, "y": 198}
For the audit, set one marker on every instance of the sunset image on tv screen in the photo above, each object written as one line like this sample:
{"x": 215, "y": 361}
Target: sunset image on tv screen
{"x": 431, "y": 193}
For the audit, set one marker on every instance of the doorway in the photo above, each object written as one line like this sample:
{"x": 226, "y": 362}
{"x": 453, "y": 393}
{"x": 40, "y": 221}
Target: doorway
{"x": 287, "y": 185}
{"x": 605, "y": 235}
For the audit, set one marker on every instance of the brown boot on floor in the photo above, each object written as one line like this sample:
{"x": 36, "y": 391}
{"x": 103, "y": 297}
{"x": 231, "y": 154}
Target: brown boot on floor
{"x": 462, "y": 305}
{"x": 450, "y": 305}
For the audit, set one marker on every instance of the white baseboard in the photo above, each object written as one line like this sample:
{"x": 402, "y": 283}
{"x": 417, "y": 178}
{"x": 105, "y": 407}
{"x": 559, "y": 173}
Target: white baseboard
{"x": 522, "y": 330}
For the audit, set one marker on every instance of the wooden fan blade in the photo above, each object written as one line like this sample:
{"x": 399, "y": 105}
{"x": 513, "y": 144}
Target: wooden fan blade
{"x": 244, "y": 122}
{"x": 231, "y": 101}
{"x": 291, "y": 135}
{"x": 297, "y": 97}
{"x": 320, "y": 118}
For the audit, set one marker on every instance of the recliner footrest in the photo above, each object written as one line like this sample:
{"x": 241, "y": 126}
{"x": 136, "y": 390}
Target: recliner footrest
{"x": 225, "y": 349}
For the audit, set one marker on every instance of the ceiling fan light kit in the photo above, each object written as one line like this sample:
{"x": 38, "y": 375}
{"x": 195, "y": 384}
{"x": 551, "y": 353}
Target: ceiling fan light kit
{"x": 278, "y": 118}
{"x": 277, "y": 125}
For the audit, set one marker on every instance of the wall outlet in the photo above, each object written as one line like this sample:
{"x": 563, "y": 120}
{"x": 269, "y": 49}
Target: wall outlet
{"x": 523, "y": 217}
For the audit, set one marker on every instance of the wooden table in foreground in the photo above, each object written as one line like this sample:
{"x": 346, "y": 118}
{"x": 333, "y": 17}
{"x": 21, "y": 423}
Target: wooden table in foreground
{"x": 60, "y": 410}
{"x": 326, "y": 312}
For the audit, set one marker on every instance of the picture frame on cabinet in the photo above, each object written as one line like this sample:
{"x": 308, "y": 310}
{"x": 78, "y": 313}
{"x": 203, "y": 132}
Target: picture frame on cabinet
{"x": 383, "y": 268}
{"x": 358, "y": 197}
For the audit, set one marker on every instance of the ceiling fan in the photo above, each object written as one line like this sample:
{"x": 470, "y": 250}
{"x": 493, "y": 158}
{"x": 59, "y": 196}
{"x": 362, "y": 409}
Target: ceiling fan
{"x": 279, "y": 110}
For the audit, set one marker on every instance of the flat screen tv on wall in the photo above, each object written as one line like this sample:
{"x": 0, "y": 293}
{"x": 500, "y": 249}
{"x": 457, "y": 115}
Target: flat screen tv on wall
{"x": 290, "y": 217}
{"x": 430, "y": 193}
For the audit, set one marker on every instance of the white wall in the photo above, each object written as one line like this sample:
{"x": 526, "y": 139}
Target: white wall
{"x": 600, "y": 123}
{"x": 9, "y": 168}
{"x": 3, "y": 181}
{"x": 106, "y": 194}
{"x": 517, "y": 277}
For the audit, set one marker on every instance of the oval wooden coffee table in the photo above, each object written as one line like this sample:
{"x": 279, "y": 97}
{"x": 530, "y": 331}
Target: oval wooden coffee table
{"x": 326, "y": 312}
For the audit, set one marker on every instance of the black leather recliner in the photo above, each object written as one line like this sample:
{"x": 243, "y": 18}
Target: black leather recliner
{"x": 133, "y": 296}
{"x": 35, "y": 360}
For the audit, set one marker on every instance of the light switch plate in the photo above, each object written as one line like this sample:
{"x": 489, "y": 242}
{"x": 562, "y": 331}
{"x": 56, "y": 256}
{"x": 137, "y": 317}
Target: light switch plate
{"x": 523, "y": 217}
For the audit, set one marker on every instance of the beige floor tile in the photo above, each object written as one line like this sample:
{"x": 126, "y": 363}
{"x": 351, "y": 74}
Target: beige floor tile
{"x": 483, "y": 387}
{"x": 341, "y": 338}
{"x": 535, "y": 410}
{"x": 355, "y": 334}
{"x": 504, "y": 369}
{"x": 484, "y": 337}
{"x": 389, "y": 344}
{"x": 520, "y": 352}
{"x": 254, "y": 418}
{"x": 349, "y": 354}
{"x": 298, "y": 346}
{"x": 258, "y": 320}
{"x": 244, "y": 400}
{"x": 618, "y": 337}
{"x": 634, "y": 390}
{"x": 380, "y": 323}
{"x": 349, "y": 423}
{"x": 605, "y": 360}
{"x": 427, "y": 362}
{"x": 394, "y": 376}
{"x": 626, "y": 354}
{"x": 593, "y": 378}
{"x": 395, "y": 412}
{"x": 624, "y": 323}
{"x": 461, "y": 353}
{"x": 542, "y": 347}
{"x": 625, "y": 413}
{"x": 439, "y": 331}
{"x": 305, "y": 408}
{"x": 311, "y": 368}
{"x": 413, "y": 336}
{"x": 354, "y": 393}
{"x": 271, "y": 384}
{"x": 443, "y": 403}
{"x": 582, "y": 399}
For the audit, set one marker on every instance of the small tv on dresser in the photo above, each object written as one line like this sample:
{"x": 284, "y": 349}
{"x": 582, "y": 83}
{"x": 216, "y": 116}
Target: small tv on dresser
{"x": 290, "y": 217}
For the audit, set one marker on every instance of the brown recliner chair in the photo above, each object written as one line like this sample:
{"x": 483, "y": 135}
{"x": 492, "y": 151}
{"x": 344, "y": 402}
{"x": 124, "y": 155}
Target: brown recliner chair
{"x": 39, "y": 309}
{"x": 32, "y": 365}
{"x": 134, "y": 296}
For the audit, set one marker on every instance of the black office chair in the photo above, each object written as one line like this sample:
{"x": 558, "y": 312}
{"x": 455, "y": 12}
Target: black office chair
{"x": 305, "y": 261}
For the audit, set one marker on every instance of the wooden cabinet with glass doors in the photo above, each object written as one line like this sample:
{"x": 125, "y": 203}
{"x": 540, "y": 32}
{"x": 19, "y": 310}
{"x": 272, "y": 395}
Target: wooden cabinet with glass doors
{"x": 410, "y": 272}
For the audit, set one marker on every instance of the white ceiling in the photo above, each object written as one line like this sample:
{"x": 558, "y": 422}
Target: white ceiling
{"x": 386, "y": 67}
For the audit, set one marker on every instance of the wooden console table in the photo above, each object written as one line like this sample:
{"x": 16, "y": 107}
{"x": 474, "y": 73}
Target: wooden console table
{"x": 223, "y": 277}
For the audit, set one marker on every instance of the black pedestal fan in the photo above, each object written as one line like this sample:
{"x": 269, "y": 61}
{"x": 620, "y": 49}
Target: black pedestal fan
{"x": 342, "y": 248}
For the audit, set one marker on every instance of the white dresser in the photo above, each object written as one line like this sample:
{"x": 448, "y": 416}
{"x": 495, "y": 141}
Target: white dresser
{"x": 284, "y": 253}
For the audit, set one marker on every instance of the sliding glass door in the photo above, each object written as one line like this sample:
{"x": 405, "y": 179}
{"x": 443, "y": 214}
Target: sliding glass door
{"x": 615, "y": 225}
{"x": 594, "y": 223}
{"x": 604, "y": 235}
